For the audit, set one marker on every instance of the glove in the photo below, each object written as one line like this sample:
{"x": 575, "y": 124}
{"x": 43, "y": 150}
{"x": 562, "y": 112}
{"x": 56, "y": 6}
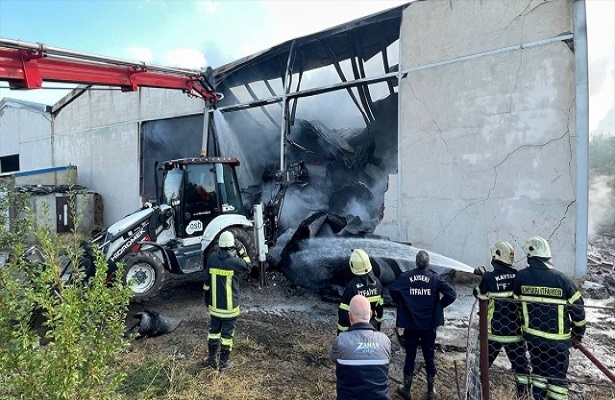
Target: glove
{"x": 480, "y": 270}
{"x": 578, "y": 332}
{"x": 206, "y": 297}
{"x": 577, "y": 336}
{"x": 241, "y": 252}
{"x": 401, "y": 337}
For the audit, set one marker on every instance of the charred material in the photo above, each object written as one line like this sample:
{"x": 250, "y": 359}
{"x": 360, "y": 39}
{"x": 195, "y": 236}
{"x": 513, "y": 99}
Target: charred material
{"x": 151, "y": 324}
{"x": 315, "y": 256}
{"x": 314, "y": 142}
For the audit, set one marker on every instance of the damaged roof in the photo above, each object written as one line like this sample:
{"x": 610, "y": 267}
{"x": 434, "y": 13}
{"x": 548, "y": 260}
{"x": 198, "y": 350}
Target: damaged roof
{"x": 363, "y": 38}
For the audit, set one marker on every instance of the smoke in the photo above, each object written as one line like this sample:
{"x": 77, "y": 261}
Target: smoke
{"x": 346, "y": 176}
{"x": 300, "y": 203}
{"x": 601, "y": 204}
{"x": 230, "y": 146}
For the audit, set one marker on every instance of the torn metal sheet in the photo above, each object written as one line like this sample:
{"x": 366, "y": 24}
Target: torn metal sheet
{"x": 351, "y": 148}
{"x": 316, "y": 255}
{"x": 373, "y": 33}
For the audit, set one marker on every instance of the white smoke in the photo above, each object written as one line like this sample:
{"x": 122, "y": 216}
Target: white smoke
{"x": 601, "y": 204}
{"x": 231, "y": 147}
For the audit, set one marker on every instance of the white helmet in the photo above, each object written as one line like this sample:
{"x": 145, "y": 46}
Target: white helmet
{"x": 537, "y": 247}
{"x": 226, "y": 240}
{"x": 359, "y": 262}
{"x": 504, "y": 252}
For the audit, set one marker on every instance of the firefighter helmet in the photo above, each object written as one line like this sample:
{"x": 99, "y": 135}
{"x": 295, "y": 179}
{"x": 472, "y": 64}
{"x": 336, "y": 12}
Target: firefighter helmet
{"x": 504, "y": 252}
{"x": 226, "y": 240}
{"x": 422, "y": 259}
{"x": 537, "y": 247}
{"x": 359, "y": 262}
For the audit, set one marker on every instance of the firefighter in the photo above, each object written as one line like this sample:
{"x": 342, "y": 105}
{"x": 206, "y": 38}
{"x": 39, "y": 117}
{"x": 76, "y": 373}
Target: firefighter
{"x": 364, "y": 283}
{"x": 553, "y": 314}
{"x": 504, "y": 319}
{"x": 421, "y": 296}
{"x": 222, "y": 298}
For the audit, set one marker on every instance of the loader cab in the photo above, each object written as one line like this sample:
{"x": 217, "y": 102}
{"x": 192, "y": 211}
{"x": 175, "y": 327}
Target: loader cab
{"x": 199, "y": 190}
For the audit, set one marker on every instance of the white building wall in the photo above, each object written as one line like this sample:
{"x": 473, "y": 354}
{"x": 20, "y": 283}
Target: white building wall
{"x": 99, "y": 132}
{"x": 26, "y": 132}
{"x": 487, "y": 142}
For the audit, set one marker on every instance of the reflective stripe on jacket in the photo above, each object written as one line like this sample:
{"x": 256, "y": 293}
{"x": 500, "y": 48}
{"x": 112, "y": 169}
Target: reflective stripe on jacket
{"x": 552, "y": 307}
{"x": 503, "y": 318}
{"x": 365, "y": 285}
{"x": 222, "y": 283}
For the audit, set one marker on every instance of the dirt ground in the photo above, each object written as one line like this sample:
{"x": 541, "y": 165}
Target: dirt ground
{"x": 284, "y": 332}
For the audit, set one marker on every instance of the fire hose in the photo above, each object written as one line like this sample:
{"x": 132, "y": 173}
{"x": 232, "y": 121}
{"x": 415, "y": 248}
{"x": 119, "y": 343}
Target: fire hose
{"x": 593, "y": 359}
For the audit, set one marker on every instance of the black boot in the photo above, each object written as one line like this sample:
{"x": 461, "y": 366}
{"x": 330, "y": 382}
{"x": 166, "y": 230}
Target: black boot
{"x": 431, "y": 390}
{"x": 404, "y": 390}
{"x": 225, "y": 364}
{"x": 539, "y": 394}
{"x": 210, "y": 362}
{"x": 523, "y": 392}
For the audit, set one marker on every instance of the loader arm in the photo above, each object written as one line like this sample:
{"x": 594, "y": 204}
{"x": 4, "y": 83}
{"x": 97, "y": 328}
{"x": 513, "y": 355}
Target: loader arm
{"x": 27, "y": 65}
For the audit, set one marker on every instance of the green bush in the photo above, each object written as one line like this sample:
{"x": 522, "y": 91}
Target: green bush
{"x": 59, "y": 339}
{"x": 15, "y": 218}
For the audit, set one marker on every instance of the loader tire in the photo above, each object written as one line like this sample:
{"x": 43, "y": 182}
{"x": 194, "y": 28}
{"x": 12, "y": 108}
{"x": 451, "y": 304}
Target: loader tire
{"x": 148, "y": 273}
{"x": 246, "y": 239}
{"x": 243, "y": 236}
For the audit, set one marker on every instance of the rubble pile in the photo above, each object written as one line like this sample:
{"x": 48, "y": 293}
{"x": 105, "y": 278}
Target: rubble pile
{"x": 600, "y": 278}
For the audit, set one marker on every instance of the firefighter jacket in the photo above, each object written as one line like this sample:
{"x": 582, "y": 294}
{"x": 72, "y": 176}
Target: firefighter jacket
{"x": 362, "y": 357}
{"x": 366, "y": 285}
{"x": 503, "y": 316}
{"x": 552, "y": 307}
{"x": 222, "y": 283}
{"x": 421, "y": 296}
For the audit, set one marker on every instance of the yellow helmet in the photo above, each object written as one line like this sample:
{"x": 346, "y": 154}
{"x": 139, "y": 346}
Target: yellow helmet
{"x": 226, "y": 240}
{"x": 537, "y": 247}
{"x": 359, "y": 262}
{"x": 504, "y": 252}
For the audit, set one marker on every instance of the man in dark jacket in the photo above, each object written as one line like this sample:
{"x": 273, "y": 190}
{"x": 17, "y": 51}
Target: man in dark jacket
{"x": 504, "y": 319}
{"x": 364, "y": 283}
{"x": 421, "y": 296}
{"x": 553, "y": 314}
{"x": 362, "y": 356}
{"x": 222, "y": 298}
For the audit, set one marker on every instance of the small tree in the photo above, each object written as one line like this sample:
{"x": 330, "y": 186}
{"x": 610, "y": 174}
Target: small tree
{"x": 71, "y": 355}
{"x": 602, "y": 155}
{"x": 15, "y": 218}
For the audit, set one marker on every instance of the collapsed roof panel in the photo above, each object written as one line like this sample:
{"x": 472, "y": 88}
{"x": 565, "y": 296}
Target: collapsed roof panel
{"x": 362, "y": 38}
{"x": 326, "y": 102}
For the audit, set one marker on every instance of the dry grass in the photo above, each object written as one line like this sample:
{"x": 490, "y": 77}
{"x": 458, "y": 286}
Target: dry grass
{"x": 273, "y": 362}
{"x": 266, "y": 366}
{"x": 277, "y": 354}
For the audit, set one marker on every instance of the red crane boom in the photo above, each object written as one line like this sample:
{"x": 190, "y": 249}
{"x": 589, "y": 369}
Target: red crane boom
{"x": 27, "y": 65}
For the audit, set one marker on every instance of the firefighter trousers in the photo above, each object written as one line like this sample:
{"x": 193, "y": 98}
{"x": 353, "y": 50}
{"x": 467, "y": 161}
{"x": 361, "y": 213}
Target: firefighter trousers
{"x": 517, "y": 355}
{"x": 427, "y": 340}
{"x": 549, "y": 371}
{"x": 221, "y": 331}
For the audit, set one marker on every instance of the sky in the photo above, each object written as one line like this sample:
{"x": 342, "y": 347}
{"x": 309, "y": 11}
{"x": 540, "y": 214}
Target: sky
{"x": 198, "y": 33}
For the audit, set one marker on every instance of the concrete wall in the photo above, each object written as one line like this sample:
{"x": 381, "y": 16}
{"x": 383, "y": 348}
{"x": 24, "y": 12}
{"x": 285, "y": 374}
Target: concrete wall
{"x": 487, "y": 129}
{"x": 26, "y": 132}
{"x": 99, "y": 132}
